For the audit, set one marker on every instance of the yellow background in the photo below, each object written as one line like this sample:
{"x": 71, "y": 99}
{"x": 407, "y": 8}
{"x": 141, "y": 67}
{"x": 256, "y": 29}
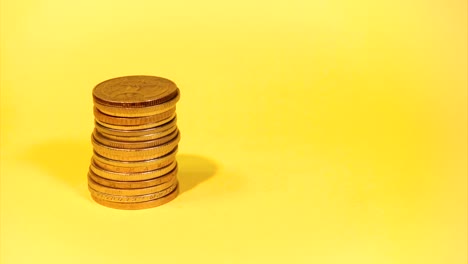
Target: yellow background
{"x": 312, "y": 131}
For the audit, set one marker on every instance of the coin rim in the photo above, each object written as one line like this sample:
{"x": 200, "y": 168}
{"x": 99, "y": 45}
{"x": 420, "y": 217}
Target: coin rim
{"x": 130, "y": 121}
{"x": 136, "y": 133}
{"x": 135, "y": 104}
{"x": 133, "y": 191}
{"x": 135, "y": 176}
{"x": 136, "y": 198}
{"x": 138, "y": 111}
{"x": 140, "y": 205}
{"x": 136, "y": 127}
{"x": 144, "y": 164}
{"x": 134, "y": 184}
{"x": 143, "y": 137}
{"x": 135, "y": 154}
{"x": 133, "y": 144}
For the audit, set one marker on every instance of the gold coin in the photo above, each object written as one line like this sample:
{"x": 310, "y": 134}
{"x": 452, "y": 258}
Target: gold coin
{"x": 134, "y": 91}
{"x": 136, "y": 133}
{"x": 137, "y": 176}
{"x": 132, "y": 198}
{"x": 130, "y": 192}
{"x": 140, "y": 205}
{"x": 134, "y": 166}
{"x": 136, "y": 127}
{"x": 134, "y": 184}
{"x": 133, "y": 145}
{"x": 135, "y": 154}
{"x": 132, "y": 121}
{"x": 137, "y": 111}
{"x": 141, "y": 138}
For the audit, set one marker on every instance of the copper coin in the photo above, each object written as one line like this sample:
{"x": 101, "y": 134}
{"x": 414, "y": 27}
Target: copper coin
{"x": 132, "y": 121}
{"x": 137, "y": 176}
{"x": 141, "y": 138}
{"x": 141, "y": 205}
{"x": 132, "y": 144}
{"x": 130, "y": 192}
{"x": 134, "y": 166}
{"x": 136, "y": 127}
{"x": 135, "y": 154}
{"x": 132, "y": 198}
{"x": 134, "y": 184}
{"x": 134, "y": 91}
{"x": 138, "y": 111}
{"x": 136, "y": 133}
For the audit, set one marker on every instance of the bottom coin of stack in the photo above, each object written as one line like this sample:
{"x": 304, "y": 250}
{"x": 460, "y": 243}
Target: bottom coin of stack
{"x": 134, "y": 166}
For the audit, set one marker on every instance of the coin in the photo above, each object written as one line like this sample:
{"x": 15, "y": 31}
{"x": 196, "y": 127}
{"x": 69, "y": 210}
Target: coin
{"x": 136, "y": 133}
{"x": 140, "y": 138}
{"x": 137, "y": 176}
{"x": 134, "y": 91}
{"x": 135, "y": 154}
{"x": 137, "y": 111}
{"x": 135, "y": 142}
{"x": 132, "y": 198}
{"x": 134, "y": 166}
{"x": 140, "y": 205}
{"x": 133, "y": 145}
{"x": 136, "y": 127}
{"x": 134, "y": 184}
{"x": 130, "y": 192}
{"x": 132, "y": 121}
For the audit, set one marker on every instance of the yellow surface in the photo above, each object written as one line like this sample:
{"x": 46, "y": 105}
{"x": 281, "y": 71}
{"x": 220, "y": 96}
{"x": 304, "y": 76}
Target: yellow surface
{"x": 313, "y": 131}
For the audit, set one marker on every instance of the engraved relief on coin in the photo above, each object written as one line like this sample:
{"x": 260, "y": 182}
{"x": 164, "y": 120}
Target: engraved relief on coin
{"x": 134, "y": 89}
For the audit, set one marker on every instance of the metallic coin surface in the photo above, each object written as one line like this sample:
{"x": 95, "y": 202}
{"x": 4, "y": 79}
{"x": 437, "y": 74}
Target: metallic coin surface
{"x": 135, "y": 154}
{"x": 132, "y": 198}
{"x": 132, "y": 121}
{"x": 136, "y": 133}
{"x": 136, "y": 127}
{"x": 134, "y": 184}
{"x": 142, "y": 137}
{"x": 135, "y": 144}
{"x": 137, "y": 111}
{"x": 130, "y": 192}
{"x": 134, "y": 166}
{"x": 137, "y": 176}
{"x": 137, "y": 206}
{"x": 134, "y": 91}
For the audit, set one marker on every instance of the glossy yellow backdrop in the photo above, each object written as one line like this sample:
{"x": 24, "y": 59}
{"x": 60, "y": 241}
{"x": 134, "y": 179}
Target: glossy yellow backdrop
{"x": 312, "y": 131}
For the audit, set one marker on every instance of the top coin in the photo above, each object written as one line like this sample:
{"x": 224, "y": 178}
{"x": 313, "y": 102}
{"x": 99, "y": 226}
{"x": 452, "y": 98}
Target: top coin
{"x": 135, "y": 91}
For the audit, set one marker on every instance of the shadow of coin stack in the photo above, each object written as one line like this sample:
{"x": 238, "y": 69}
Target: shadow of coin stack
{"x": 135, "y": 142}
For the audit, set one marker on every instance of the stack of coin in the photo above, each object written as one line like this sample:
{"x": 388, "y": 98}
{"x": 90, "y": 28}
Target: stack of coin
{"x": 135, "y": 142}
